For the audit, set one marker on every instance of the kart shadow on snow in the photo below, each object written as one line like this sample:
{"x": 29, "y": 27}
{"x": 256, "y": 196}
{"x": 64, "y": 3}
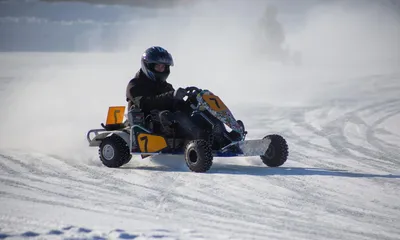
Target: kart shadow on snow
{"x": 56, "y": 232}
{"x": 291, "y": 171}
{"x": 74, "y": 232}
{"x": 257, "y": 170}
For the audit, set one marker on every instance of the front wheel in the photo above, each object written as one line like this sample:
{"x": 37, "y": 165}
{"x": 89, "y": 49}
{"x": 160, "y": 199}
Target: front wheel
{"x": 114, "y": 152}
{"x": 277, "y": 152}
{"x": 198, "y": 156}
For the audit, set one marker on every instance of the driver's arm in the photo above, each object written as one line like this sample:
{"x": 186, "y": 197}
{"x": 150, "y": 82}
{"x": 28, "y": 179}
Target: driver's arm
{"x": 163, "y": 101}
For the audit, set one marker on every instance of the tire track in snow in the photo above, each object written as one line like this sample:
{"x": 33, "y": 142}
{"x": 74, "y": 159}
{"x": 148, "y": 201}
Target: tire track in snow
{"x": 165, "y": 195}
{"x": 389, "y": 149}
{"x": 166, "y": 198}
{"x": 320, "y": 136}
{"x": 340, "y": 145}
{"x": 339, "y": 200}
{"x": 35, "y": 179}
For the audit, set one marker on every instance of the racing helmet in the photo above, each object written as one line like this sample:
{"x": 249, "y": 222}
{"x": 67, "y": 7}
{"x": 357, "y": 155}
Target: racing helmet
{"x": 153, "y": 56}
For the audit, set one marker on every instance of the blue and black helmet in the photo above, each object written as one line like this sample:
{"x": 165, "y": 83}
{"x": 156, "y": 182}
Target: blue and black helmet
{"x": 156, "y": 55}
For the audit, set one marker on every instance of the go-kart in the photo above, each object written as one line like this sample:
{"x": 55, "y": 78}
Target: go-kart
{"x": 119, "y": 140}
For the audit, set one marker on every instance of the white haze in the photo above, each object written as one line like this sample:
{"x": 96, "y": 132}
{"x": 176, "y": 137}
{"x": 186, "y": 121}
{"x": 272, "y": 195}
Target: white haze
{"x": 56, "y": 97}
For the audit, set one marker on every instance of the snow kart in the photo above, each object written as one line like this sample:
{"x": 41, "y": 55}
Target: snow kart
{"x": 118, "y": 140}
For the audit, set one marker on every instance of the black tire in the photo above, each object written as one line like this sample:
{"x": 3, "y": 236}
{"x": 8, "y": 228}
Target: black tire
{"x": 240, "y": 122}
{"x": 114, "y": 152}
{"x": 198, "y": 156}
{"x": 277, "y": 152}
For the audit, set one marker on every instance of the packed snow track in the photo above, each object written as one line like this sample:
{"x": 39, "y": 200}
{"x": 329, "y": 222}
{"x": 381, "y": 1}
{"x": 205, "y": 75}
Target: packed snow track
{"x": 341, "y": 181}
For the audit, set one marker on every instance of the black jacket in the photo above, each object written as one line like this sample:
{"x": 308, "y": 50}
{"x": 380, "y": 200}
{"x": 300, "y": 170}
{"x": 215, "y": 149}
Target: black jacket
{"x": 151, "y": 95}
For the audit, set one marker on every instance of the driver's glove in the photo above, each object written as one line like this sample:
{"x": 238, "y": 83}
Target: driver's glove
{"x": 180, "y": 93}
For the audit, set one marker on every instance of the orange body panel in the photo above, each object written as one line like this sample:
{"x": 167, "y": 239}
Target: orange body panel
{"x": 151, "y": 143}
{"x": 115, "y": 115}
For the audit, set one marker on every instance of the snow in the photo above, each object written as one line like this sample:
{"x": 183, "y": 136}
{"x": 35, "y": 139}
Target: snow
{"x": 339, "y": 116}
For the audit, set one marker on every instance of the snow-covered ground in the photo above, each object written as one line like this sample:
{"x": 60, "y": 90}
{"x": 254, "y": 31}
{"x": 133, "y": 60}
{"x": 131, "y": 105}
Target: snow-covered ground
{"x": 339, "y": 111}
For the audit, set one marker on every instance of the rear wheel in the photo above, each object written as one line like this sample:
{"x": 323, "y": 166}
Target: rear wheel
{"x": 114, "y": 152}
{"x": 198, "y": 156}
{"x": 277, "y": 152}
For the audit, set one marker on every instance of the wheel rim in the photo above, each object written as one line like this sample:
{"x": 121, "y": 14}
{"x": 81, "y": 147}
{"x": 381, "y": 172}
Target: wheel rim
{"x": 193, "y": 156}
{"x": 108, "y": 152}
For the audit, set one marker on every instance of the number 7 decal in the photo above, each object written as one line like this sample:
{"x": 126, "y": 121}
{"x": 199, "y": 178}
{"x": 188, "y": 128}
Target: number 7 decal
{"x": 115, "y": 115}
{"x": 149, "y": 143}
{"x": 146, "y": 141}
{"x": 215, "y": 103}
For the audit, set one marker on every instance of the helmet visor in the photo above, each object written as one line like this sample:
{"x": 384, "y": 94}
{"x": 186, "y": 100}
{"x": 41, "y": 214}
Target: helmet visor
{"x": 162, "y": 58}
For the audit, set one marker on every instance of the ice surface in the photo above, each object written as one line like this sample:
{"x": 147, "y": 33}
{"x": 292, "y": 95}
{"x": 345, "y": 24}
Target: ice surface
{"x": 339, "y": 112}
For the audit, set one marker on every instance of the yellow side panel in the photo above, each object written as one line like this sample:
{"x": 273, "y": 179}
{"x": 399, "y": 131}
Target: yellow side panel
{"x": 215, "y": 103}
{"x": 115, "y": 115}
{"x": 151, "y": 143}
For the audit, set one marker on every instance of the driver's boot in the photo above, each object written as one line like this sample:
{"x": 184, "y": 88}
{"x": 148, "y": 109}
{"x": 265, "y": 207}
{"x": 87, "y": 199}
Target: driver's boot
{"x": 190, "y": 130}
{"x": 167, "y": 121}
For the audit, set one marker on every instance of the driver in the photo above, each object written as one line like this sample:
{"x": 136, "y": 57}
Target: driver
{"x": 150, "y": 92}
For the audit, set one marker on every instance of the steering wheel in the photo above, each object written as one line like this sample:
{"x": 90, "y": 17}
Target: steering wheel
{"x": 191, "y": 93}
